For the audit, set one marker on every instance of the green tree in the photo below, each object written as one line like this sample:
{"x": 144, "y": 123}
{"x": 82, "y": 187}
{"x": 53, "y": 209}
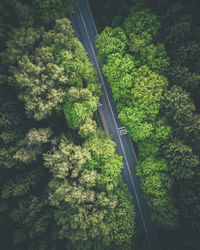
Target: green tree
{"x": 187, "y": 199}
{"x": 181, "y": 160}
{"x": 148, "y": 91}
{"x": 156, "y": 185}
{"x": 179, "y": 107}
{"x": 183, "y": 77}
{"x": 48, "y": 11}
{"x": 188, "y": 56}
{"x": 88, "y": 128}
{"x": 85, "y": 207}
{"x": 155, "y": 57}
{"x": 136, "y": 122}
{"x": 43, "y": 65}
{"x": 118, "y": 72}
{"x": 78, "y": 108}
{"x": 153, "y": 144}
{"x": 111, "y": 41}
{"x": 141, "y": 27}
{"x": 31, "y": 147}
{"x": 104, "y": 159}
{"x": 12, "y": 127}
{"x": 176, "y": 27}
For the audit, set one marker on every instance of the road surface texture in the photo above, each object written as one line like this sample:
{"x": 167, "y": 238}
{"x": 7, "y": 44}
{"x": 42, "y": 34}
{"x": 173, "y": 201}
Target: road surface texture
{"x": 86, "y": 32}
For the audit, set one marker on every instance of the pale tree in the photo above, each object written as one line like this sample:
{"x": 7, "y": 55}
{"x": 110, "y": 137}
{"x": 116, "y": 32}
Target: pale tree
{"x": 87, "y": 209}
{"x": 31, "y": 147}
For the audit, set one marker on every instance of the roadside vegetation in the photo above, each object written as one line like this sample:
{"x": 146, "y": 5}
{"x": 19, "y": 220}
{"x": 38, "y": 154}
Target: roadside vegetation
{"x": 149, "y": 51}
{"x": 60, "y": 185}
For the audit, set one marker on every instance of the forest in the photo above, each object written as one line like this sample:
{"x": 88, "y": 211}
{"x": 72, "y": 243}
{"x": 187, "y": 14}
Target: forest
{"x": 60, "y": 182}
{"x": 150, "y": 54}
{"x": 61, "y": 186}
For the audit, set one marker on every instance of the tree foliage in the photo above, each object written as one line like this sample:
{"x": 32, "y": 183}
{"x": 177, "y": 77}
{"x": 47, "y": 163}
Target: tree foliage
{"x": 90, "y": 201}
{"x": 43, "y": 66}
{"x": 48, "y": 11}
{"x": 79, "y": 107}
{"x": 163, "y": 37}
{"x": 111, "y": 41}
{"x": 57, "y": 190}
{"x": 156, "y": 184}
{"x": 181, "y": 160}
{"x": 138, "y": 86}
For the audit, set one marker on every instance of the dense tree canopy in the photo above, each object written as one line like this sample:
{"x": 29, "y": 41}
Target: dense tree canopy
{"x": 160, "y": 45}
{"x": 87, "y": 193}
{"x": 42, "y": 65}
{"x": 60, "y": 175}
{"x": 79, "y": 107}
{"x": 154, "y": 77}
{"x": 134, "y": 73}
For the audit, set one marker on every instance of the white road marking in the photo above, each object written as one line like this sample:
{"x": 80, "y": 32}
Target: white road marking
{"x": 122, "y": 131}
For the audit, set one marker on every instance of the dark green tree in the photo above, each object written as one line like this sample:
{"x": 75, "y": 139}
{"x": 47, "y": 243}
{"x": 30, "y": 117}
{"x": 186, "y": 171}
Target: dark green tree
{"x": 181, "y": 160}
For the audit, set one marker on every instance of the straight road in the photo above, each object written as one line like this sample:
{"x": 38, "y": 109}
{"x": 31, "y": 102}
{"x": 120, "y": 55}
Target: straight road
{"x": 86, "y": 32}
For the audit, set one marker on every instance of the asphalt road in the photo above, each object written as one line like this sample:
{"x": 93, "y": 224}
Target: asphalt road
{"x": 86, "y": 32}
